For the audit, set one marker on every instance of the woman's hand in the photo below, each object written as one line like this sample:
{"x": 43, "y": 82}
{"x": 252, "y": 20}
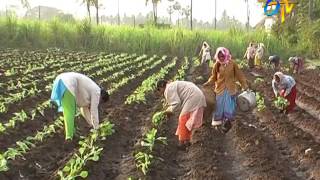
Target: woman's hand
{"x": 168, "y": 114}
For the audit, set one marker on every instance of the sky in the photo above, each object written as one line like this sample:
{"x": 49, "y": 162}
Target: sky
{"x": 202, "y": 9}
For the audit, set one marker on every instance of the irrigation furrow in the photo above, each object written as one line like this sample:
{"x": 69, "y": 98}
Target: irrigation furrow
{"x": 301, "y": 147}
{"x": 117, "y": 162}
{"x": 76, "y": 68}
{"x": 65, "y": 153}
{"x": 31, "y": 126}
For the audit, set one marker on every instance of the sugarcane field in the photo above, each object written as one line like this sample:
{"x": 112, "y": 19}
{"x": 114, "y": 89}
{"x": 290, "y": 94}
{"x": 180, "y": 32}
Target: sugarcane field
{"x": 159, "y": 90}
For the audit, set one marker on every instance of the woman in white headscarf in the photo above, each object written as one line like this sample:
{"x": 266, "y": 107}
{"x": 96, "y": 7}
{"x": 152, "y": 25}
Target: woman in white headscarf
{"x": 205, "y": 58}
{"x": 285, "y": 86}
{"x": 258, "y": 56}
{"x": 297, "y": 64}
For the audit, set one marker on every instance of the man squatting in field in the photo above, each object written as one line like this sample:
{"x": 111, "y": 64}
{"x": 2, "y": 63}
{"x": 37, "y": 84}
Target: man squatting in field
{"x": 223, "y": 78}
{"x": 275, "y": 62}
{"x": 71, "y": 89}
{"x": 190, "y": 99}
{"x": 285, "y": 86}
{"x": 1, "y": 72}
{"x": 205, "y": 58}
{"x": 250, "y": 55}
{"x": 296, "y": 64}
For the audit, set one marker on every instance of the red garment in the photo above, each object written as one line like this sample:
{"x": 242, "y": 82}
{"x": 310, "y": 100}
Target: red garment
{"x": 291, "y": 97}
{"x": 188, "y": 122}
{"x": 182, "y": 131}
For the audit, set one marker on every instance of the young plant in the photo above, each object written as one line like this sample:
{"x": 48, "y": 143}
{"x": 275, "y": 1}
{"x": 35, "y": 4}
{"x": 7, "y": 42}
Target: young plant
{"x": 258, "y": 80}
{"x": 143, "y": 161}
{"x": 88, "y": 151}
{"x": 3, "y": 164}
{"x": 150, "y": 139}
{"x": 158, "y": 118}
{"x": 280, "y": 103}
{"x": 260, "y": 102}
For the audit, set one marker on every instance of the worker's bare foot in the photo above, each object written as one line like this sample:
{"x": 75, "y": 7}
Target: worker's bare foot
{"x": 226, "y": 126}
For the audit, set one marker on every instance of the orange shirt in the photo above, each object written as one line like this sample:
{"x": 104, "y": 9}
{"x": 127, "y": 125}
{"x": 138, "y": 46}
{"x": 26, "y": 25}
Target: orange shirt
{"x": 227, "y": 77}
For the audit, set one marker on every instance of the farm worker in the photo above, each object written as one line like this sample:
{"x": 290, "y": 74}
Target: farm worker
{"x": 250, "y": 53}
{"x": 224, "y": 75}
{"x": 205, "y": 58}
{"x": 285, "y": 86}
{"x": 190, "y": 99}
{"x": 1, "y": 72}
{"x": 275, "y": 62}
{"x": 297, "y": 64}
{"x": 71, "y": 89}
{"x": 259, "y": 55}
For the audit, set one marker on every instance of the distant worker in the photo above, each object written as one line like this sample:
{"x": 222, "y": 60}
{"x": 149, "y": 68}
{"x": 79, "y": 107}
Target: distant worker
{"x": 296, "y": 64}
{"x": 259, "y": 56}
{"x": 250, "y": 54}
{"x": 285, "y": 86}
{"x": 190, "y": 99}
{"x": 225, "y": 74}
{"x": 275, "y": 62}
{"x": 205, "y": 58}
{"x": 2, "y": 72}
{"x": 71, "y": 89}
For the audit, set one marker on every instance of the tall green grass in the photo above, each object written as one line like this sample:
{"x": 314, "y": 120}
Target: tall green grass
{"x": 149, "y": 40}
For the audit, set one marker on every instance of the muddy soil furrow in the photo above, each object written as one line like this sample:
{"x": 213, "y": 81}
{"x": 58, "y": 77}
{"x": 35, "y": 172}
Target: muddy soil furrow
{"x": 131, "y": 122}
{"x": 29, "y": 127}
{"x": 69, "y": 57}
{"x": 55, "y": 152}
{"x": 14, "y": 107}
{"x": 204, "y": 159}
{"x": 306, "y": 122}
{"x": 257, "y": 153}
{"x": 300, "y": 145}
{"x": 309, "y": 104}
{"x": 243, "y": 153}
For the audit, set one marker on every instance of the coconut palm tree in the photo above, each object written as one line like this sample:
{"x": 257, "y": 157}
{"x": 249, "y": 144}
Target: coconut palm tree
{"x": 248, "y": 14}
{"x": 170, "y": 11}
{"x": 155, "y": 9}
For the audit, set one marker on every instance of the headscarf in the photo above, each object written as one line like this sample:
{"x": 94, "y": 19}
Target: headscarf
{"x": 205, "y": 43}
{"x": 291, "y": 59}
{"x": 280, "y": 75}
{"x": 226, "y": 53}
{"x": 261, "y": 45}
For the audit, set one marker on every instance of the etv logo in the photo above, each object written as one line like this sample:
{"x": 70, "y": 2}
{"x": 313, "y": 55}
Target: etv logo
{"x": 285, "y": 5}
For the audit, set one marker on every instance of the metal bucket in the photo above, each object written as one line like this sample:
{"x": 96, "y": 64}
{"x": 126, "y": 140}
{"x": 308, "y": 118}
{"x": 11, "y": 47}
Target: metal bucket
{"x": 209, "y": 94}
{"x": 246, "y": 101}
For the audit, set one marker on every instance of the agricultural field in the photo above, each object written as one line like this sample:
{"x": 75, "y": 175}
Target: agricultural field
{"x": 135, "y": 139}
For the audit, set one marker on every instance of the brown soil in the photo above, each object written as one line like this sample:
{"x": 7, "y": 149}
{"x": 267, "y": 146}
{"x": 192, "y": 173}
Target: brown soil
{"x": 49, "y": 156}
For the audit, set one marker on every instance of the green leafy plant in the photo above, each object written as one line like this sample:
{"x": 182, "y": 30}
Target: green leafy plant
{"x": 88, "y": 151}
{"x": 3, "y": 164}
{"x": 150, "y": 139}
{"x": 280, "y": 103}
{"x": 158, "y": 118}
{"x": 258, "y": 80}
{"x": 149, "y": 84}
{"x": 143, "y": 161}
{"x": 260, "y": 102}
